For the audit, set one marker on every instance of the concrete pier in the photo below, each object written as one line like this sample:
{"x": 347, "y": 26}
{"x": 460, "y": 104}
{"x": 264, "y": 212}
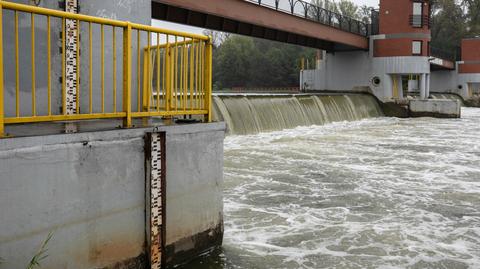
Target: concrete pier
{"x": 435, "y": 108}
{"x": 88, "y": 190}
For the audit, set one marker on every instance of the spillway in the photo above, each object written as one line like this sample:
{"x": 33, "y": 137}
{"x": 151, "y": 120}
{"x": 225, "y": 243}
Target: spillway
{"x": 251, "y": 114}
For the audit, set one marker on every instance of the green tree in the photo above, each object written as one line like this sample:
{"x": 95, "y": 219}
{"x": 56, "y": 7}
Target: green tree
{"x": 449, "y": 25}
{"x": 365, "y": 14}
{"x": 232, "y": 61}
{"x": 473, "y": 17}
{"x": 348, "y": 9}
{"x": 249, "y": 62}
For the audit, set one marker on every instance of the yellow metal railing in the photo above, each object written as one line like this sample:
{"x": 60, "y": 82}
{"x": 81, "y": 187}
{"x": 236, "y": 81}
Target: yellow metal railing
{"x": 175, "y": 78}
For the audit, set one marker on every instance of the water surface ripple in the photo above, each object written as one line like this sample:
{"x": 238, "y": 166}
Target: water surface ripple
{"x": 376, "y": 193}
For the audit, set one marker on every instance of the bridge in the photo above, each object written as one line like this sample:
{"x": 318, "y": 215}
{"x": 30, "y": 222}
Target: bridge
{"x": 290, "y": 21}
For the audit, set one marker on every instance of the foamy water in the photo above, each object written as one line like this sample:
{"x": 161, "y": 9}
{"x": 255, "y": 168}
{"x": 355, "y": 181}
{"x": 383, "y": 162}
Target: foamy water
{"x": 377, "y": 193}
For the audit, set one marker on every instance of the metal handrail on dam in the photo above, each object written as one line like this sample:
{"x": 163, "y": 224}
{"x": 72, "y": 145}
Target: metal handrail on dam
{"x": 175, "y": 78}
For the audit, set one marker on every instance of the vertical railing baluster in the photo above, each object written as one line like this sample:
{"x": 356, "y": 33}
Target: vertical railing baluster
{"x": 78, "y": 69}
{"x": 49, "y": 67}
{"x": 208, "y": 80}
{"x": 197, "y": 72}
{"x": 102, "y": 67}
{"x": 175, "y": 73}
{"x": 2, "y": 116}
{"x": 168, "y": 76}
{"x": 127, "y": 76}
{"x": 202, "y": 73}
{"x": 17, "y": 69}
{"x": 191, "y": 73}
{"x": 164, "y": 74}
{"x": 114, "y": 60}
{"x": 185, "y": 68}
{"x": 32, "y": 54}
{"x": 139, "y": 105}
{"x": 90, "y": 72}
{"x": 149, "y": 71}
{"x": 158, "y": 71}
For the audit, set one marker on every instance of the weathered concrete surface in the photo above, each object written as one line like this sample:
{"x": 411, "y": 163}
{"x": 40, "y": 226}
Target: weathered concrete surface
{"x": 89, "y": 190}
{"x": 194, "y": 193}
{"x": 395, "y": 109}
{"x": 435, "y": 108}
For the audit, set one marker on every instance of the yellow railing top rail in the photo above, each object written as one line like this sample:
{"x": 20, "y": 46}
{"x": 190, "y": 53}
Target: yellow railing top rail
{"x": 87, "y": 18}
{"x": 153, "y": 47}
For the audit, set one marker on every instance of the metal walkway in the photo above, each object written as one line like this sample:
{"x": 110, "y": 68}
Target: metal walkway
{"x": 291, "y": 21}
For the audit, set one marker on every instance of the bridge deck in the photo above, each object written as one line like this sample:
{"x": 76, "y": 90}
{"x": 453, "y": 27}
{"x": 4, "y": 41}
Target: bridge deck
{"x": 247, "y": 18}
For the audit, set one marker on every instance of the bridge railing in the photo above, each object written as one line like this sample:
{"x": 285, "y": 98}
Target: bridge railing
{"x": 442, "y": 54}
{"x": 315, "y": 13}
{"x": 175, "y": 70}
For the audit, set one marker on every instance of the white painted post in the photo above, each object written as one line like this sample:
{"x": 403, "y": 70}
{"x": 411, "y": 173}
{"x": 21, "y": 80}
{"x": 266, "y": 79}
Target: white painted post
{"x": 427, "y": 86}
{"x": 422, "y": 86}
{"x": 400, "y": 86}
{"x": 388, "y": 87}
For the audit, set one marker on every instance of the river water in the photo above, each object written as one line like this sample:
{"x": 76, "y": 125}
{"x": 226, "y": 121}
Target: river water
{"x": 376, "y": 193}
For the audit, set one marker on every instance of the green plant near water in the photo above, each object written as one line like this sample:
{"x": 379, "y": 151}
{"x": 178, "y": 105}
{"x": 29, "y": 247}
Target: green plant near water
{"x": 41, "y": 253}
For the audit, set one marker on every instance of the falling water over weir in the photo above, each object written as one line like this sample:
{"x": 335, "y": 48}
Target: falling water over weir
{"x": 251, "y": 114}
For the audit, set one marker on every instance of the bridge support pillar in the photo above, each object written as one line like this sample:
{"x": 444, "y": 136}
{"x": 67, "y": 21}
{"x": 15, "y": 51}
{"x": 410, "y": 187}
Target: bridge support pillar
{"x": 423, "y": 86}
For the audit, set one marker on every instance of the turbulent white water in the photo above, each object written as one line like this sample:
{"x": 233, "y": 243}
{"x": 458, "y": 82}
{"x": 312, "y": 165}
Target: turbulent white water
{"x": 376, "y": 193}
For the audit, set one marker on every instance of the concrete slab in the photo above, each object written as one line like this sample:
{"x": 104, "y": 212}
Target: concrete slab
{"x": 435, "y": 108}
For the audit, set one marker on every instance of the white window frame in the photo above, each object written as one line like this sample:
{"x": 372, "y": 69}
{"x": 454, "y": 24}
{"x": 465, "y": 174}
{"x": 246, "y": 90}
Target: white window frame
{"x": 417, "y": 47}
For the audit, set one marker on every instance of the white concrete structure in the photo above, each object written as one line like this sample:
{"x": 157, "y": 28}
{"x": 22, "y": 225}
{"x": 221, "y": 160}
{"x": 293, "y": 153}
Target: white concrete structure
{"x": 447, "y": 108}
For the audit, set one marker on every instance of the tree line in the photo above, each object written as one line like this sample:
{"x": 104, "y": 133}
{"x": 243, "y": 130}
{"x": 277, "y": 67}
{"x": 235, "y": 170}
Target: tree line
{"x": 454, "y": 20}
{"x": 241, "y": 61}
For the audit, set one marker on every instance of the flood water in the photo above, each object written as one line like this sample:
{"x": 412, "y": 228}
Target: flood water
{"x": 376, "y": 193}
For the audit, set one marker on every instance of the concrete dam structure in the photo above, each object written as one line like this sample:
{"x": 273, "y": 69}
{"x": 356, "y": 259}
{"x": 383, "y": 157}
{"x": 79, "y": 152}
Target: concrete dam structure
{"x": 400, "y": 67}
{"x": 250, "y": 114}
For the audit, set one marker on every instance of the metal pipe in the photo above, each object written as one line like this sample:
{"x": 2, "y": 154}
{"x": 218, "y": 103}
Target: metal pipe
{"x": 32, "y": 33}
{"x": 90, "y": 82}
{"x": 114, "y": 61}
{"x": 17, "y": 69}
{"x": 49, "y": 67}
{"x": 2, "y": 115}
{"x": 127, "y": 76}
{"x": 102, "y": 72}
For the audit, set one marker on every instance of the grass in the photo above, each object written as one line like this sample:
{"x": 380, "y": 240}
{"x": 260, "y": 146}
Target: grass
{"x": 41, "y": 253}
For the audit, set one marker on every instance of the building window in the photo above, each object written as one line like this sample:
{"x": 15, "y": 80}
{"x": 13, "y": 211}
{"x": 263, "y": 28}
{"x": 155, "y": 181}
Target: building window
{"x": 417, "y": 8}
{"x": 417, "y": 14}
{"x": 417, "y": 47}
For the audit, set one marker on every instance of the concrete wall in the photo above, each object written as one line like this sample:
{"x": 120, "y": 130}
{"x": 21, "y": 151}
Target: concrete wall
{"x": 89, "y": 190}
{"x": 454, "y": 82}
{"x": 346, "y": 71}
{"x": 340, "y": 71}
{"x": 138, "y": 11}
{"x": 444, "y": 81}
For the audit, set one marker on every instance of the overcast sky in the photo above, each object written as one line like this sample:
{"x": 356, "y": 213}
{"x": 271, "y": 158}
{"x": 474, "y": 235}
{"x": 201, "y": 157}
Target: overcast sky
{"x": 179, "y": 27}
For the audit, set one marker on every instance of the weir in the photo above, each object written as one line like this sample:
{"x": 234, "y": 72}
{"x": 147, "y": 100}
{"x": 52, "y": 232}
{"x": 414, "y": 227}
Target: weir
{"x": 250, "y": 114}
